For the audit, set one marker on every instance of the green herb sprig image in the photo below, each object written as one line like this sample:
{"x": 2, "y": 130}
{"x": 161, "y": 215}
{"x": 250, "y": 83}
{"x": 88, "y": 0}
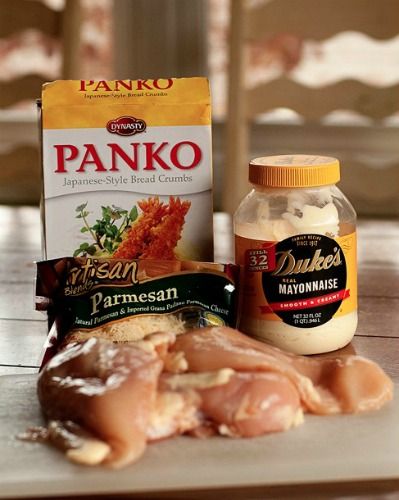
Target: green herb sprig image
{"x": 107, "y": 232}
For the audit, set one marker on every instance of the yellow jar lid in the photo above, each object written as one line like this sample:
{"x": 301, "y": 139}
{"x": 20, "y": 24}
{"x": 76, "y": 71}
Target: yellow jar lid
{"x": 294, "y": 171}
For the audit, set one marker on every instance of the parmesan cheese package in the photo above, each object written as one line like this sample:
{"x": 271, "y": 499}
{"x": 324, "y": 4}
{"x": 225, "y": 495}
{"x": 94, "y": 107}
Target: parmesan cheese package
{"x": 127, "y": 169}
{"x": 125, "y": 300}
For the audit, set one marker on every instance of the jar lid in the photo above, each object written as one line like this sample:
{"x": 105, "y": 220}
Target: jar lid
{"x": 294, "y": 171}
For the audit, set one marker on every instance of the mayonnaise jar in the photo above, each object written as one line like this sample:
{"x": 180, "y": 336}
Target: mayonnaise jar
{"x": 295, "y": 238}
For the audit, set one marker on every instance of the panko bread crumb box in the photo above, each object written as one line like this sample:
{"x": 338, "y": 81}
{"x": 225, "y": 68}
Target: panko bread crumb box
{"x": 127, "y": 169}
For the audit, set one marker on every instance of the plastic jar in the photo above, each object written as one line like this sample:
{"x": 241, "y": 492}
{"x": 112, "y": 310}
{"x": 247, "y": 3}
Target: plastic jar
{"x": 295, "y": 238}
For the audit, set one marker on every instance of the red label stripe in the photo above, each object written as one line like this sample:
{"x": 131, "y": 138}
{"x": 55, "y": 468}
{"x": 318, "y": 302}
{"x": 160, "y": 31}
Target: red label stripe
{"x": 297, "y": 304}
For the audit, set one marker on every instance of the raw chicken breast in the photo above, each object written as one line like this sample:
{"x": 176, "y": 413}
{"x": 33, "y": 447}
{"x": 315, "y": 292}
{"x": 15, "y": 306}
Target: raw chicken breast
{"x": 252, "y": 404}
{"x": 235, "y": 404}
{"x": 174, "y": 413}
{"x": 108, "y": 389}
{"x": 325, "y": 385}
{"x": 105, "y": 401}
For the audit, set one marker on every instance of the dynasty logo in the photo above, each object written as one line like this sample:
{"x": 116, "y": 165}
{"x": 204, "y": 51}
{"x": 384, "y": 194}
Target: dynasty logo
{"x": 126, "y": 125}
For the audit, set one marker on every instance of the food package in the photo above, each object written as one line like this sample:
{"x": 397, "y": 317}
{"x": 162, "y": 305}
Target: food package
{"x": 126, "y": 300}
{"x": 127, "y": 169}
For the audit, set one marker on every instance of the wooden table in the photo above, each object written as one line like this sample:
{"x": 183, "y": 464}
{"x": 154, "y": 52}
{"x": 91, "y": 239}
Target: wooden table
{"x": 23, "y": 330}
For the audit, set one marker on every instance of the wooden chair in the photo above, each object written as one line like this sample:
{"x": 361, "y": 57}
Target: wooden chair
{"x": 373, "y": 190}
{"x": 19, "y": 155}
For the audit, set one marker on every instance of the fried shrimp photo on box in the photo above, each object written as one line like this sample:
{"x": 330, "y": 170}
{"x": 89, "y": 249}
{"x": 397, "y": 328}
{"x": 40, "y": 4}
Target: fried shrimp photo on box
{"x": 156, "y": 232}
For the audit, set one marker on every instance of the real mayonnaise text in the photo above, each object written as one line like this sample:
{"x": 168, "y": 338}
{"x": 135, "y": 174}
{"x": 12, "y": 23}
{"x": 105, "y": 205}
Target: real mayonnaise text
{"x": 295, "y": 238}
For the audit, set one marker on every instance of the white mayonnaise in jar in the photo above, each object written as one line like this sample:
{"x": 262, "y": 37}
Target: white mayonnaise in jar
{"x": 295, "y": 238}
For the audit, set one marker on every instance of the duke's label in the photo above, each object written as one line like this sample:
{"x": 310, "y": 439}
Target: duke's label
{"x": 304, "y": 280}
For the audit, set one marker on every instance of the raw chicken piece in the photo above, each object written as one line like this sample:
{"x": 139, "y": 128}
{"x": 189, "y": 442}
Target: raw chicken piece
{"x": 326, "y": 385}
{"x": 108, "y": 389}
{"x": 178, "y": 405}
{"x": 241, "y": 404}
{"x": 79, "y": 445}
{"x": 159, "y": 343}
{"x": 253, "y": 404}
{"x": 105, "y": 401}
{"x": 174, "y": 413}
